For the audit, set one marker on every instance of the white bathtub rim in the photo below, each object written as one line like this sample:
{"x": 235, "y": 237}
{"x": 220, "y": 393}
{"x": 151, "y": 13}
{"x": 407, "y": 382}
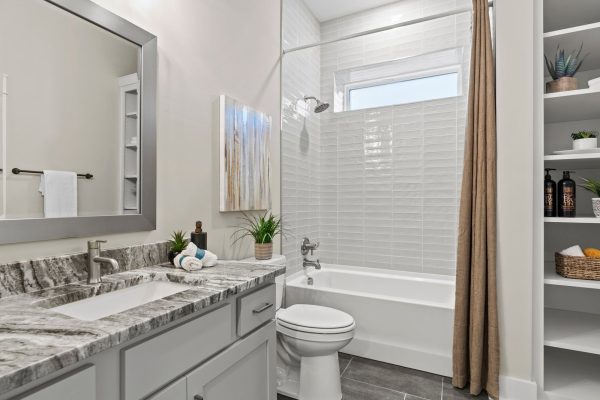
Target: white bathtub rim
{"x": 296, "y": 280}
{"x": 380, "y": 272}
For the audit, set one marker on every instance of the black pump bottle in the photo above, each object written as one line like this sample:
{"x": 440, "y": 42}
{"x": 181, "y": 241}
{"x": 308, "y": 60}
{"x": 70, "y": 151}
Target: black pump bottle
{"x": 566, "y": 195}
{"x": 549, "y": 194}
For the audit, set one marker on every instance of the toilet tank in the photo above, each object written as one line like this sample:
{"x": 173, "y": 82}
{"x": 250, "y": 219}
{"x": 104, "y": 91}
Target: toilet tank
{"x": 277, "y": 259}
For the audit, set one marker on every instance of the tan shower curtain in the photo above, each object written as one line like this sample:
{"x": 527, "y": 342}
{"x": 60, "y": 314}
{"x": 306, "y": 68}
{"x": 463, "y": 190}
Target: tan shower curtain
{"x": 476, "y": 355}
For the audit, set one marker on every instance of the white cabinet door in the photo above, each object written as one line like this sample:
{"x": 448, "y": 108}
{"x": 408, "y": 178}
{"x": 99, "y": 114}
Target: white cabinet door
{"x": 246, "y": 370}
{"x": 80, "y": 385}
{"x": 175, "y": 391}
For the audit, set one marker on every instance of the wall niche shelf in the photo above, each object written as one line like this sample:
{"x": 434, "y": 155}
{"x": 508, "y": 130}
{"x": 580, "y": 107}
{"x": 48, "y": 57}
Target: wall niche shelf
{"x": 574, "y": 105}
{"x": 571, "y": 330}
{"x": 571, "y": 39}
{"x": 130, "y": 137}
{"x": 573, "y": 161}
{"x": 578, "y": 220}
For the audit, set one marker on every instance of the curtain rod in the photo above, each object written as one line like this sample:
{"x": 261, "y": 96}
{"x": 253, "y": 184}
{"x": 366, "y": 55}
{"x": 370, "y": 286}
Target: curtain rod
{"x": 386, "y": 28}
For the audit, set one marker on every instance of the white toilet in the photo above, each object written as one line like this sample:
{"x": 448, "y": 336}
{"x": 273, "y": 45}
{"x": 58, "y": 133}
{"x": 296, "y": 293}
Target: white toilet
{"x": 308, "y": 340}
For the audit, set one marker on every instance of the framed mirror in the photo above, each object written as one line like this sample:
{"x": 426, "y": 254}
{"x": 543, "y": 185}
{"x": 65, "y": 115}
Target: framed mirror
{"x": 77, "y": 122}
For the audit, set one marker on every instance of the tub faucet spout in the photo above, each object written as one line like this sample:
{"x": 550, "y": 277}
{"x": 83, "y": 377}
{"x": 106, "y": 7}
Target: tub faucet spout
{"x": 308, "y": 263}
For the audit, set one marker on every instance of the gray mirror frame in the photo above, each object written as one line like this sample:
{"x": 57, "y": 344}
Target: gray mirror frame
{"x": 37, "y": 229}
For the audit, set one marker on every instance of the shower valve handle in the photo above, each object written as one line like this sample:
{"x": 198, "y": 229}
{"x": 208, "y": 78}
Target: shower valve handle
{"x": 308, "y": 246}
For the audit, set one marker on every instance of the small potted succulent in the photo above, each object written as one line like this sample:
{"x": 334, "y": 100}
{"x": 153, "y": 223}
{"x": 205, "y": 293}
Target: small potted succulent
{"x": 583, "y": 140}
{"x": 263, "y": 230}
{"x": 594, "y": 187}
{"x": 563, "y": 70}
{"x": 177, "y": 244}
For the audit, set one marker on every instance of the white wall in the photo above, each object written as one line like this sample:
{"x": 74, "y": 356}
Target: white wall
{"x": 205, "y": 48}
{"x": 514, "y": 62}
{"x": 63, "y": 104}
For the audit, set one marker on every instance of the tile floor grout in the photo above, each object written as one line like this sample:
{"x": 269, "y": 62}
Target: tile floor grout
{"x": 347, "y": 365}
{"x": 380, "y": 387}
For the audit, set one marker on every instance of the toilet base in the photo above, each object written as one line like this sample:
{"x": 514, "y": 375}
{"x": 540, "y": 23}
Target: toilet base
{"x": 317, "y": 378}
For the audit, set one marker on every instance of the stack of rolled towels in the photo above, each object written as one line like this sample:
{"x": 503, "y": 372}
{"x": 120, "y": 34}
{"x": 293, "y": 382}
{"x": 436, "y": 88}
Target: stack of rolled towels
{"x": 194, "y": 259}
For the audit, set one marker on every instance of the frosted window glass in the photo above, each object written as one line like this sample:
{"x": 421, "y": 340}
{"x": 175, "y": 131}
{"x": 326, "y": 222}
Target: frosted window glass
{"x": 403, "y": 92}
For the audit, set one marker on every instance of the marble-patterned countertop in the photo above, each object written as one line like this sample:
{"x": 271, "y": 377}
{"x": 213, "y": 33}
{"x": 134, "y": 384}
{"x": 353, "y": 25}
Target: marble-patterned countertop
{"x": 35, "y": 341}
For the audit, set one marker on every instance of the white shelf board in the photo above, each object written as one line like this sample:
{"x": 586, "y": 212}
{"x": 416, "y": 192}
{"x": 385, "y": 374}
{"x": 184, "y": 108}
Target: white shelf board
{"x": 578, "y": 220}
{"x": 571, "y": 330}
{"x": 558, "y": 15}
{"x": 131, "y": 146}
{"x": 552, "y": 278}
{"x": 571, "y": 375}
{"x": 573, "y": 161}
{"x": 131, "y": 177}
{"x": 133, "y": 115}
{"x": 573, "y": 105}
{"x": 570, "y": 39}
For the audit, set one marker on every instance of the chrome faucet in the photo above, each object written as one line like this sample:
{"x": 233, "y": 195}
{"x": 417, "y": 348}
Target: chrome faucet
{"x": 308, "y": 263}
{"x": 94, "y": 261}
{"x": 308, "y": 246}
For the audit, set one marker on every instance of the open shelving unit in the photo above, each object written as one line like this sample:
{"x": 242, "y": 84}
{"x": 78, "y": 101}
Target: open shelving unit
{"x": 130, "y": 139}
{"x": 567, "y": 317}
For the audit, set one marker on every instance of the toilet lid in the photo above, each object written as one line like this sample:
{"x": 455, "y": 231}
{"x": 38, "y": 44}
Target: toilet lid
{"x": 317, "y": 317}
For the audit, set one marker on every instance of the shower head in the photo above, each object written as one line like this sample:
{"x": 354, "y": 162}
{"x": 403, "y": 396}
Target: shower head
{"x": 320, "y": 107}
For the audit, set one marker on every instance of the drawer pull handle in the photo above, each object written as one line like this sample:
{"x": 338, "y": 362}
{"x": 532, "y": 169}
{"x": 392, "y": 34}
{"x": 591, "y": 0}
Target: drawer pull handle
{"x": 262, "y": 308}
{"x": 198, "y": 397}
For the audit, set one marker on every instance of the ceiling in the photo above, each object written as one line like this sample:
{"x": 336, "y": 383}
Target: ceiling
{"x": 325, "y": 10}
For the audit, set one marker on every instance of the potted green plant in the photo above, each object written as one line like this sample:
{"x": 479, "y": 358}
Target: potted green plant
{"x": 263, "y": 230}
{"x": 177, "y": 244}
{"x": 563, "y": 70}
{"x": 583, "y": 140}
{"x": 593, "y": 186}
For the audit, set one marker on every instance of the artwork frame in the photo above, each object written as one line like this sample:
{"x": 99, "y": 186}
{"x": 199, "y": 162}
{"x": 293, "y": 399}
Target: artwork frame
{"x": 245, "y": 157}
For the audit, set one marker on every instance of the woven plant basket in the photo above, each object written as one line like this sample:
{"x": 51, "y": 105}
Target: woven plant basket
{"x": 578, "y": 267}
{"x": 263, "y": 251}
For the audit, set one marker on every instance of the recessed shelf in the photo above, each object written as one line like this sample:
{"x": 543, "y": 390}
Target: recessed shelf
{"x": 572, "y": 330}
{"x": 571, "y": 375}
{"x": 571, "y": 39}
{"x": 578, "y": 12}
{"x": 131, "y": 177}
{"x": 578, "y": 220}
{"x": 133, "y": 115}
{"x": 574, "y": 105}
{"x": 552, "y": 278}
{"x": 131, "y": 146}
{"x": 573, "y": 161}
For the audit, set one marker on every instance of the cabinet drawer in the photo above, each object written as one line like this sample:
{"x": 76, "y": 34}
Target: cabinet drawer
{"x": 80, "y": 385}
{"x": 255, "y": 309}
{"x": 149, "y": 365}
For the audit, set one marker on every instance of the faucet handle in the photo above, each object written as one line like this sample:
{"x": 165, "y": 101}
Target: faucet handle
{"x": 307, "y": 245}
{"x": 95, "y": 244}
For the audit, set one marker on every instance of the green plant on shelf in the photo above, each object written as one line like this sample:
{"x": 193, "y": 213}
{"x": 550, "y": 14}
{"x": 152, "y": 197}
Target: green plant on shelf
{"x": 591, "y": 185}
{"x": 584, "y": 135}
{"x": 565, "y": 66}
{"x": 262, "y": 229}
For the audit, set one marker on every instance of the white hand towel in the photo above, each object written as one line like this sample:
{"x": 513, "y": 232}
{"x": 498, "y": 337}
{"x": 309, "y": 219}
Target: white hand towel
{"x": 59, "y": 189}
{"x": 190, "y": 264}
{"x": 574, "y": 251}
{"x": 208, "y": 259}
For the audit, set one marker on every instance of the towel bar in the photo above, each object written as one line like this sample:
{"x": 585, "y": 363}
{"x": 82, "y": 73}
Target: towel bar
{"x": 18, "y": 171}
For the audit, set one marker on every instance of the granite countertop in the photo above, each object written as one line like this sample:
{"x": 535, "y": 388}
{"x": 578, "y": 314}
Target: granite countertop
{"x": 35, "y": 341}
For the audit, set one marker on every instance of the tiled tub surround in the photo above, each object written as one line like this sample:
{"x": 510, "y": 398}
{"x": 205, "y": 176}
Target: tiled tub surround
{"x": 35, "y": 341}
{"x": 388, "y": 178}
{"x": 34, "y": 275}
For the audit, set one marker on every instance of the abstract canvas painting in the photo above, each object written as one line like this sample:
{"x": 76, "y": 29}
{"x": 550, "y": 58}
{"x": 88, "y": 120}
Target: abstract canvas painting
{"x": 245, "y": 158}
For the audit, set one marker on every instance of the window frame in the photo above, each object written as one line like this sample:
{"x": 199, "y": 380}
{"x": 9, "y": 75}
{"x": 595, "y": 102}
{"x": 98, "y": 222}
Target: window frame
{"x": 422, "y": 74}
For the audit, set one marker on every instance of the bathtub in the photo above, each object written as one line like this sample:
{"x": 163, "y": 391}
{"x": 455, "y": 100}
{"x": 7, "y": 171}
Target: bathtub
{"x": 402, "y": 318}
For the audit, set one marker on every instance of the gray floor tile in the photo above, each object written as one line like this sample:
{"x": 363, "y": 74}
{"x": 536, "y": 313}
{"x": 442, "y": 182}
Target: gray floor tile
{"x": 355, "y": 390}
{"x": 400, "y": 379}
{"x": 452, "y": 393}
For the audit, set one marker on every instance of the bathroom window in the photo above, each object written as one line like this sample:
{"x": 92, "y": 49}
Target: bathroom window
{"x": 403, "y": 91}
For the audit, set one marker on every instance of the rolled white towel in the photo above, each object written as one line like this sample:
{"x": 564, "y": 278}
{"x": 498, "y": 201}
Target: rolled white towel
{"x": 573, "y": 251}
{"x": 189, "y": 263}
{"x": 208, "y": 259}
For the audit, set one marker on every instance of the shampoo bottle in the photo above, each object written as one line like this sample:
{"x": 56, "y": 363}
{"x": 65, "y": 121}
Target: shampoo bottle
{"x": 549, "y": 194}
{"x": 198, "y": 237}
{"x": 566, "y": 196}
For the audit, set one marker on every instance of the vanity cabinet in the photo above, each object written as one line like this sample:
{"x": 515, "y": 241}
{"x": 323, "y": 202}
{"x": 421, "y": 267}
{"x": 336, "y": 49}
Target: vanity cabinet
{"x": 240, "y": 372}
{"x": 80, "y": 385}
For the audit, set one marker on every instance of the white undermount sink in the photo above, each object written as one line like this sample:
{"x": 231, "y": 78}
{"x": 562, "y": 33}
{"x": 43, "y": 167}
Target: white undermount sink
{"x": 103, "y": 305}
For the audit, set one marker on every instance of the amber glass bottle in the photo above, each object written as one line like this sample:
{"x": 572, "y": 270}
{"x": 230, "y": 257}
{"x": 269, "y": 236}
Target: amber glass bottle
{"x": 567, "y": 196}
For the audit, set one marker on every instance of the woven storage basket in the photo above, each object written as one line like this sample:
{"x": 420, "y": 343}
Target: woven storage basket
{"x": 578, "y": 267}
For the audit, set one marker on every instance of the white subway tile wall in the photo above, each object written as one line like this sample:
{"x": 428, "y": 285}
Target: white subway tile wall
{"x": 380, "y": 187}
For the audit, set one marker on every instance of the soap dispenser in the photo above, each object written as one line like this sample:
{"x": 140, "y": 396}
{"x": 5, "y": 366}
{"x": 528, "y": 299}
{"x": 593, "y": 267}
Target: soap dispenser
{"x": 199, "y": 238}
{"x": 549, "y": 194}
{"x": 566, "y": 196}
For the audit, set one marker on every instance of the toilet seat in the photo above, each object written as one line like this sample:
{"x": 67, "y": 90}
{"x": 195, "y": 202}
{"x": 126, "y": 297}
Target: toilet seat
{"x": 315, "y": 323}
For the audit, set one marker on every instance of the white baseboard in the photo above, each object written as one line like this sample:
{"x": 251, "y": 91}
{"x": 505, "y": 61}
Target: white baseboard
{"x": 517, "y": 389}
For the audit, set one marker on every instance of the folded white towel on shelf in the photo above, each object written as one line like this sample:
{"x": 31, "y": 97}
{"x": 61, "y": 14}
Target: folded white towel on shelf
{"x": 208, "y": 259}
{"x": 59, "y": 189}
{"x": 189, "y": 263}
{"x": 573, "y": 251}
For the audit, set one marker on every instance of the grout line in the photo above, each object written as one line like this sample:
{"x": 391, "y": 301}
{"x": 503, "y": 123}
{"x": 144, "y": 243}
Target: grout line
{"x": 442, "y": 397}
{"x": 347, "y": 365}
